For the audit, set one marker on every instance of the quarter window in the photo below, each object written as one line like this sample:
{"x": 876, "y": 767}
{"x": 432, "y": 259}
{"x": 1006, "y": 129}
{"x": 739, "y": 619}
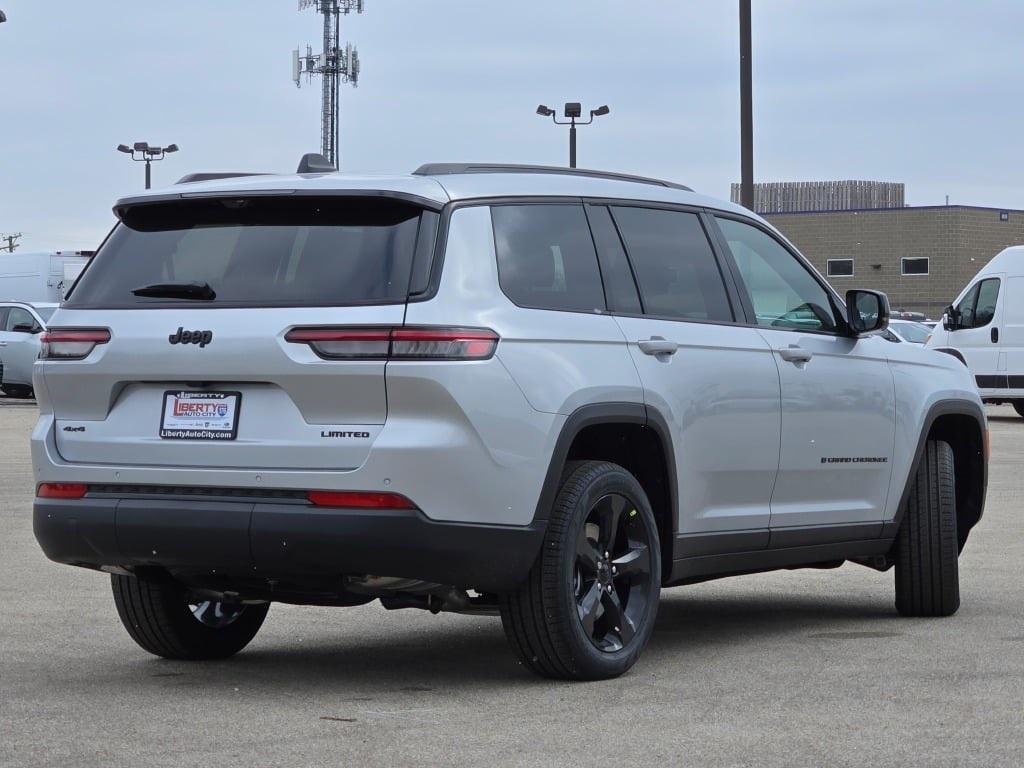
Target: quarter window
{"x": 783, "y": 292}
{"x": 675, "y": 267}
{"x": 839, "y": 267}
{"x": 914, "y": 266}
{"x": 546, "y": 257}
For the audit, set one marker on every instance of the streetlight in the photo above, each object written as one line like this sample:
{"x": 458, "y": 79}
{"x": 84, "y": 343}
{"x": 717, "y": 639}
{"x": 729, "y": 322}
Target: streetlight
{"x": 146, "y": 154}
{"x": 573, "y": 110}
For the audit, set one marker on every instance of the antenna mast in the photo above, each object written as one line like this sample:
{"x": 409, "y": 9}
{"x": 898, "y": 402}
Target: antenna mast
{"x": 335, "y": 65}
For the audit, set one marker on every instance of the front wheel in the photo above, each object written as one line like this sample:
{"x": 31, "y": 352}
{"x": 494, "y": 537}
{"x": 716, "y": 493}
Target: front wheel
{"x": 587, "y": 608}
{"x": 163, "y": 620}
{"x": 927, "y": 572}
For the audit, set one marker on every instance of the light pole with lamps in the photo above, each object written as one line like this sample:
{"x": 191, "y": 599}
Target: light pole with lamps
{"x": 147, "y": 154}
{"x": 573, "y": 110}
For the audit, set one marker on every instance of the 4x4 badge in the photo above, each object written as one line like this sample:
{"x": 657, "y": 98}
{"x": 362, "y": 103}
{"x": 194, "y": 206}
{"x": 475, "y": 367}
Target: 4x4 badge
{"x": 181, "y": 336}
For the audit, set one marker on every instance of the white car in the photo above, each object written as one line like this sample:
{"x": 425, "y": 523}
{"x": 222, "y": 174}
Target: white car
{"x": 21, "y": 324}
{"x": 907, "y": 332}
{"x": 984, "y": 328}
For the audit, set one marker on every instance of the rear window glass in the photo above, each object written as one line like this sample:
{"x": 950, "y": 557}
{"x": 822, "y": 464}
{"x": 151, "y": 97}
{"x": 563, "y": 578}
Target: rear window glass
{"x": 257, "y": 251}
{"x": 546, "y": 257}
{"x": 674, "y": 263}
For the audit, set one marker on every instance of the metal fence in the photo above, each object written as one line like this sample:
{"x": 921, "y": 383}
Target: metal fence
{"x": 791, "y": 196}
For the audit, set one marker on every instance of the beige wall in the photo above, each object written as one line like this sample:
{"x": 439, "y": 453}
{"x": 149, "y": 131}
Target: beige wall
{"x": 958, "y": 240}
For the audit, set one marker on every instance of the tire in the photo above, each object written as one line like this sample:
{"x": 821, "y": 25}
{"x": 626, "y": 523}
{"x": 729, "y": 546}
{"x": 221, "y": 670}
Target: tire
{"x": 19, "y": 391}
{"x": 159, "y": 618}
{"x": 1018, "y": 406}
{"x": 601, "y": 519}
{"x": 927, "y": 574}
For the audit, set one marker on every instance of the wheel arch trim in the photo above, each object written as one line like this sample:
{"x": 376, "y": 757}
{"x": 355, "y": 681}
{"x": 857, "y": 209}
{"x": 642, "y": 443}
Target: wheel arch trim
{"x": 594, "y": 414}
{"x": 934, "y": 413}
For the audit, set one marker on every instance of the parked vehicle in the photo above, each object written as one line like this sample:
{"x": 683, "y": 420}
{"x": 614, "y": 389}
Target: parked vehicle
{"x": 905, "y": 331}
{"x": 40, "y": 277}
{"x": 535, "y": 392}
{"x": 20, "y": 327}
{"x": 984, "y": 329}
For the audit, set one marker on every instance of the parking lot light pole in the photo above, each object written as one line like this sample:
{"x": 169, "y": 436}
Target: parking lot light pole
{"x": 141, "y": 152}
{"x": 573, "y": 111}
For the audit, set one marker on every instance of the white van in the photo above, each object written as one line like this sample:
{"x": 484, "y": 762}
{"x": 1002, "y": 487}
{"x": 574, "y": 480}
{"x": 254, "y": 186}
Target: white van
{"x": 40, "y": 277}
{"x": 984, "y": 327}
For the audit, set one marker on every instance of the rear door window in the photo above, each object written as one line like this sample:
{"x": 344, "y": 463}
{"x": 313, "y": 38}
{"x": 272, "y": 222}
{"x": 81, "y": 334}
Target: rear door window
{"x": 294, "y": 251}
{"x": 546, "y": 257}
{"x": 674, "y": 264}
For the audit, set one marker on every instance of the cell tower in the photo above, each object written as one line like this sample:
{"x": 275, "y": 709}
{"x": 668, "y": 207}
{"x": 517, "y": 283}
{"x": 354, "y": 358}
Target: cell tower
{"x": 335, "y": 65}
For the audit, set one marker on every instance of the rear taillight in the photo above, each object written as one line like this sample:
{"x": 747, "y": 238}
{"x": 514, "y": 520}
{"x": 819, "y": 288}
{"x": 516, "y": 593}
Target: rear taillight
{"x": 360, "y": 500}
{"x": 71, "y": 343}
{"x": 61, "y": 490}
{"x": 397, "y": 343}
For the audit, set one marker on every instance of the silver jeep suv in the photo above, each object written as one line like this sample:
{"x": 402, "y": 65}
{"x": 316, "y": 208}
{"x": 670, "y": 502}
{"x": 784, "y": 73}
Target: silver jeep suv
{"x": 514, "y": 390}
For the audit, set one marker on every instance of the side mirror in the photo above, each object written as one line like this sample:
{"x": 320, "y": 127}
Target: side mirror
{"x": 26, "y": 328}
{"x": 951, "y": 320}
{"x": 866, "y": 311}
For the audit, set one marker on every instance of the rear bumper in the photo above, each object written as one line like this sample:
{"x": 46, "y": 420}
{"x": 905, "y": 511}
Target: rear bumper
{"x": 238, "y": 542}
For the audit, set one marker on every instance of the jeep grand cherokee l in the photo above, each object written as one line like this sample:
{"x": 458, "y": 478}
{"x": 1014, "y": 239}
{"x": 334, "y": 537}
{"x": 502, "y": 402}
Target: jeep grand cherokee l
{"x": 539, "y": 393}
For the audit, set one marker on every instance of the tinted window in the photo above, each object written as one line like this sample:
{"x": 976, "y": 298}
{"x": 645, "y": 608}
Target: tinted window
{"x": 674, "y": 264}
{"x": 917, "y": 266}
{"x": 3, "y": 317}
{"x": 978, "y": 307}
{"x": 840, "y": 267}
{"x": 19, "y": 316}
{"x": 266, "y": 251}
{"x": 783, "y": 292}
{"x": 619, "y": 285}
{"x": 546, "y": 257}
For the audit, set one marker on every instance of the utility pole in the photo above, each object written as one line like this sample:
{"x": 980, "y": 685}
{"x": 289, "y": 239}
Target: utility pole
{"x": 746, "y": 110}
{"x": 336, "y": 65}
{"x": 11, "y": 242}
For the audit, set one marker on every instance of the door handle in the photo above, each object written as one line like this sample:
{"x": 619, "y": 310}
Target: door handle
{"x": 3, "y": 343}
{"x": 656, "y": 345}
{"x": 995, "y": 335}
{"x": 795, "y": 354}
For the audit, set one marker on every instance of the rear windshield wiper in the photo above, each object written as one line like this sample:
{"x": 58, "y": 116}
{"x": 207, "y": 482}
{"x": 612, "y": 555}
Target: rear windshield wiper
{"x": 197, "y": 291}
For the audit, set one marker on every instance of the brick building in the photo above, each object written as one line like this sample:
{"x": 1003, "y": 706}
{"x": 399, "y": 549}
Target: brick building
{"x": 920, "y": 256}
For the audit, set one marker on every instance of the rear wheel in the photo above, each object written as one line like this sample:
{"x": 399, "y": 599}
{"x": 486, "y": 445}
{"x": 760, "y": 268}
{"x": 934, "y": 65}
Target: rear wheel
{"x": 163, "y": 620}
{"x": 1018, "y": 406}
{"x": 927, "y": 574}
{"x": 18, "y": 390}
{"x": 588, "y": 606}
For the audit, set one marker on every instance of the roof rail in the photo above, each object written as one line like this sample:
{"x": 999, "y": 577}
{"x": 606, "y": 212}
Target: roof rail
{"x": 190, "y": 177}
{"x": 443, "y": 169}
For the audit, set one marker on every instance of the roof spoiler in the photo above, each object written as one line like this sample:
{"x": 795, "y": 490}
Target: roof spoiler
{"x": 314, "y": 162}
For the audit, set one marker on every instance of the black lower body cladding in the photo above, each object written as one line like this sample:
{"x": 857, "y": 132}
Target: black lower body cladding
{"x": 245, "y": 541}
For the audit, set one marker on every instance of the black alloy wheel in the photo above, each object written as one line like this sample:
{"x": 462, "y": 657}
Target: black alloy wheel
{"x": 587, "y": 607}
{"x": 613, "y": 572}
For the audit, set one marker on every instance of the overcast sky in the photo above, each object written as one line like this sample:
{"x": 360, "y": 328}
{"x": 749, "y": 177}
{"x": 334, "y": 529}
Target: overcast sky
{"x": 927, "y": 92}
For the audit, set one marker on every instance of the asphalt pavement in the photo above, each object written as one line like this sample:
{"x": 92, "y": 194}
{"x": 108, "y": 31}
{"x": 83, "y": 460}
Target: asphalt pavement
{"x": 795, "y": 668}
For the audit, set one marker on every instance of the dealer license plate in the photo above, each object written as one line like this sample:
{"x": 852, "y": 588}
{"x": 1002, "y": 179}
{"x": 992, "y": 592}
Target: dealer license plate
{"x": 200, "y": 415}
